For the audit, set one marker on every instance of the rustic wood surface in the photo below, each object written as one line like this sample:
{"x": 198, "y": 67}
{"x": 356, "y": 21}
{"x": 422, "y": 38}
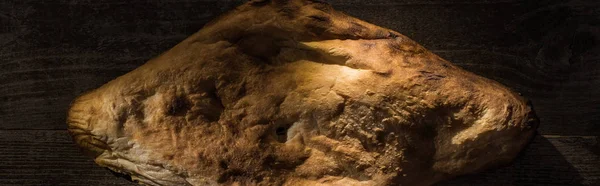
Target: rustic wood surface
{"x": 53, "y": 50}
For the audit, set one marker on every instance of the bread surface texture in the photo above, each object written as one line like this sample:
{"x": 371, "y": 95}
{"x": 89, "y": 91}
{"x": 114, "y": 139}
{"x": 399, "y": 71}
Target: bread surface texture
{"x": 292, "y": 92}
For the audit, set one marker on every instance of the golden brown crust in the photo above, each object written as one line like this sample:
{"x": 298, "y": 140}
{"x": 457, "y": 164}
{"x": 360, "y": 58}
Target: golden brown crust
{"x": 291, "y": 92}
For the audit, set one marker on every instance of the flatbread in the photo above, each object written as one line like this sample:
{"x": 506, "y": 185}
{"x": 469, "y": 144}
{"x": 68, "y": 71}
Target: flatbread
{"x": 292, "y": 92}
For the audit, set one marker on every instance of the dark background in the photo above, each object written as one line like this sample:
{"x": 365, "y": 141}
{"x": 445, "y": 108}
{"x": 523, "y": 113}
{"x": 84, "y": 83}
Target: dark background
{"x": 53, "y": 50}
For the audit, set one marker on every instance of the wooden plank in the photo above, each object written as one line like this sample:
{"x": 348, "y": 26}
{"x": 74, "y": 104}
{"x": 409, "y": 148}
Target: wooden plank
{"x": 31, "y": 157}
{"x": 43, "y": 102}
{"x": 43, "y": 99}
{"x": 36, "y": 93}
{"x": 48, "y": 158}
{"x": 551, "y": 160}
{"x": 51, "y": 51}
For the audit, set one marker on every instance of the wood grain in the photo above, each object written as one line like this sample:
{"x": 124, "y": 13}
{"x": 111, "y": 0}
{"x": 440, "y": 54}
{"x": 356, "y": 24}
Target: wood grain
{"x": 31, "y": 157}
{"x": 549, "y": 160}
{"x": 47, "y": 158}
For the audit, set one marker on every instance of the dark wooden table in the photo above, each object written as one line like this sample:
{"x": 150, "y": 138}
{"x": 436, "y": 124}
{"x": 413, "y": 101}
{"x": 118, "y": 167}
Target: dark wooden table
{"x": 53, "y": 50}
